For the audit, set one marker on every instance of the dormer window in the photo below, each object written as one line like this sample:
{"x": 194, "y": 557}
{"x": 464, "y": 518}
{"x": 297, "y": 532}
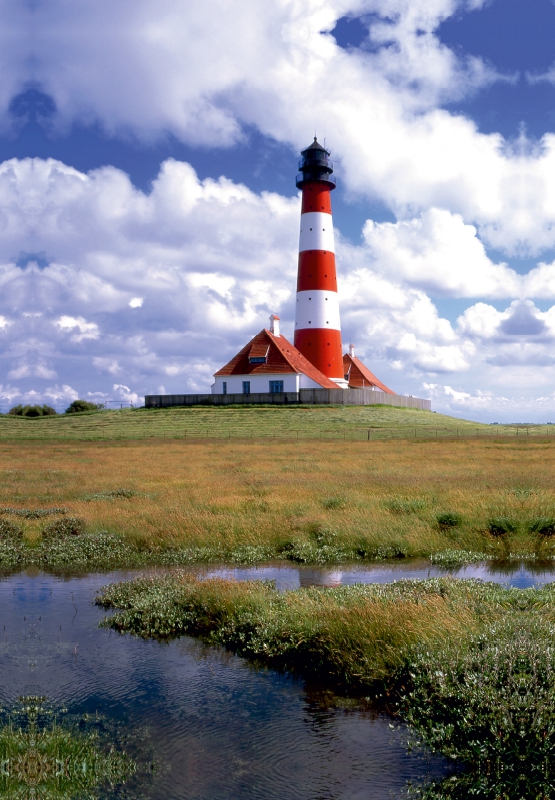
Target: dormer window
{"x": 258, "y": 354}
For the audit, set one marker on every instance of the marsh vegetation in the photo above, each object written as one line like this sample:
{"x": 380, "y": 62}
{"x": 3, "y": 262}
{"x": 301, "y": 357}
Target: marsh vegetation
{"x": 470, "y": 666}
{"x": 43, "y": 755}
{"x": 310, "y": 502}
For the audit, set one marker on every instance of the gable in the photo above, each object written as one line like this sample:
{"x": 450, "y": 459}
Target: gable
{"x": 279, "y": 357}
{"x": 360, "y": 376}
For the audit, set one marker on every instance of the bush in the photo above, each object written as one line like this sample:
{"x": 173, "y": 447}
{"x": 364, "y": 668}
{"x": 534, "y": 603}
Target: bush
{"x": 83, "y": 405}
{"x": 499, "y": 526}
{"x": 62, "y": 528}
{"x": 449, "y": 519}
{"x": 32, "y": 411}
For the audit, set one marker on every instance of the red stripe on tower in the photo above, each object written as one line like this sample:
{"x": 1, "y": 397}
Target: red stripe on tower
{"x": 317, "y": 325}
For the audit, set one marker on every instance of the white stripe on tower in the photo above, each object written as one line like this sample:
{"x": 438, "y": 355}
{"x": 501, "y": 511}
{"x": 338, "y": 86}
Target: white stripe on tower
{"x": 316, "y": 232}
{"x": 317, "y": 309}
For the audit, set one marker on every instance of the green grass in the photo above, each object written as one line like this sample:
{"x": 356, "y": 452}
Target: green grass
{"x": 41, "y": 757}
{"x": 470, "y": 666}
{"x": 330, "y": 422}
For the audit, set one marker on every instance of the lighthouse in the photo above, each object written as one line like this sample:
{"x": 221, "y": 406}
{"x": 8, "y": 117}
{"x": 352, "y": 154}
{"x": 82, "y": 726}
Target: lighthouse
{"x": 317, "y": 323}
{"x": 269, "y": 364}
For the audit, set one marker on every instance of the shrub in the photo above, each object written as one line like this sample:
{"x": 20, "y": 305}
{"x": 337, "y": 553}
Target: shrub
{"x": 62, "y": 528}
{"x": 499, "y": 526}
{"x": 83, "y": 405}
{"x": 449, "y": 519}
{"x": 32, "y": 411}
{"x": 545, "y": 526}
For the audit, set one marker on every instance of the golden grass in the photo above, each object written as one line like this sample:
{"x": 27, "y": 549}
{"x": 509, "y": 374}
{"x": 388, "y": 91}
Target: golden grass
{"x": 359, "y": 634}
{"x": 365, "y": 495}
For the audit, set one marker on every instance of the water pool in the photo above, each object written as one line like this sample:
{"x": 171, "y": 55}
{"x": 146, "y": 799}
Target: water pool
{"x": 215, "y": 726}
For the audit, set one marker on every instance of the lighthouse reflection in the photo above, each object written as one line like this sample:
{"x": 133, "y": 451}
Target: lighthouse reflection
{"x": 521, "y": 574}
{"x": 321, "y": 577}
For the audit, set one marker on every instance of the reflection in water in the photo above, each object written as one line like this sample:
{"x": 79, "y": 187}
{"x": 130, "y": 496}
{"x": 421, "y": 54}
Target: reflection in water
{"x": 522, "y": 574}
{"x": 43, "y": 758}
{"x": 215, "y": 726}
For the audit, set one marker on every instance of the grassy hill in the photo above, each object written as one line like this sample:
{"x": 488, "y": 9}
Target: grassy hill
{"x": 318, "y": 422}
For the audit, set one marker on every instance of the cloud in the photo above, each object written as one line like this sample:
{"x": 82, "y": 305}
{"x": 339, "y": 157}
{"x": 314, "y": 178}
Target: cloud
{"x": 438, "y": 253}
{"x": 488, "y": 406}
{"x": 207, "y": 72}
{"x": 209, "y": 261}
{"x": 86, "y": 330}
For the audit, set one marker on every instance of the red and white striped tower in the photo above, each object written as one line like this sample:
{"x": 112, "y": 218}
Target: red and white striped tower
{"x": 317, "y": 325}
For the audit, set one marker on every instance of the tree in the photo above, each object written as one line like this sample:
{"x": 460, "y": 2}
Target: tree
{"x": 83, "y": 405}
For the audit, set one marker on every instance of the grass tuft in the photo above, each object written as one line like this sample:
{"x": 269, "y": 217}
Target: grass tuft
{"x": 544, "y": 526}
{"x": 449, "y": 519}
{"x": 405, "y": 506}
{"x": 331, "y": 503}
{"x": 500, "y": 526}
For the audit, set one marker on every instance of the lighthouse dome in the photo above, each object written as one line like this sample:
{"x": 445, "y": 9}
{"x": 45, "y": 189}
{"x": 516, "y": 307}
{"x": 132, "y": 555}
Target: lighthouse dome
{"x": 315, "y": 165}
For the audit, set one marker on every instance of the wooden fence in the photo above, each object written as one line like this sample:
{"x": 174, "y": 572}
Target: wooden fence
{"x": 347, "y": 397}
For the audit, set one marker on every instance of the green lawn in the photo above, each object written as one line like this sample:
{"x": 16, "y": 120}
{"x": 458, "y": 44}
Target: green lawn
{"x": 349, "y": 422}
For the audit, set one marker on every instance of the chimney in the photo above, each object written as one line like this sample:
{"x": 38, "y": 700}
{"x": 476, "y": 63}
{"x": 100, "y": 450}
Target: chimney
{"x": 274, "y": 324}
{"x": 352, "y": 350}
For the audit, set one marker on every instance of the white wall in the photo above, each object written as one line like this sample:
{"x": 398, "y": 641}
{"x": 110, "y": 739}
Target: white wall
{"x": 259, "y": 383}
{"x": 292, "y": 382}
{"x": 307, "y": 383}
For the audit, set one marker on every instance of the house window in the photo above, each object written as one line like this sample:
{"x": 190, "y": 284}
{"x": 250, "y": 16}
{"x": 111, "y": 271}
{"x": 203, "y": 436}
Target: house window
{"x": 276, "y": 387}
{"x": 257, "y": 360}
{"x": 246, "y": 387}
{"x": 224, "y": 387}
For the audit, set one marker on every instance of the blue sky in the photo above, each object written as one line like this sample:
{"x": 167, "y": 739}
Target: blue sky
{"x": 149, "y": 214}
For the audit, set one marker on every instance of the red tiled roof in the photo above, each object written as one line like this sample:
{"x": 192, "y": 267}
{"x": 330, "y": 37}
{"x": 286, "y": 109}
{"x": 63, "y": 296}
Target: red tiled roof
{"x": 282, "y": 357}
{"x": 360, "y": 376}
{"x": 259, "y": 350}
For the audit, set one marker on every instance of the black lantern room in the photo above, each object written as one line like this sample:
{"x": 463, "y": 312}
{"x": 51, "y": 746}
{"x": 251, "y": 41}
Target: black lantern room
{"x": 315, "y": 165}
